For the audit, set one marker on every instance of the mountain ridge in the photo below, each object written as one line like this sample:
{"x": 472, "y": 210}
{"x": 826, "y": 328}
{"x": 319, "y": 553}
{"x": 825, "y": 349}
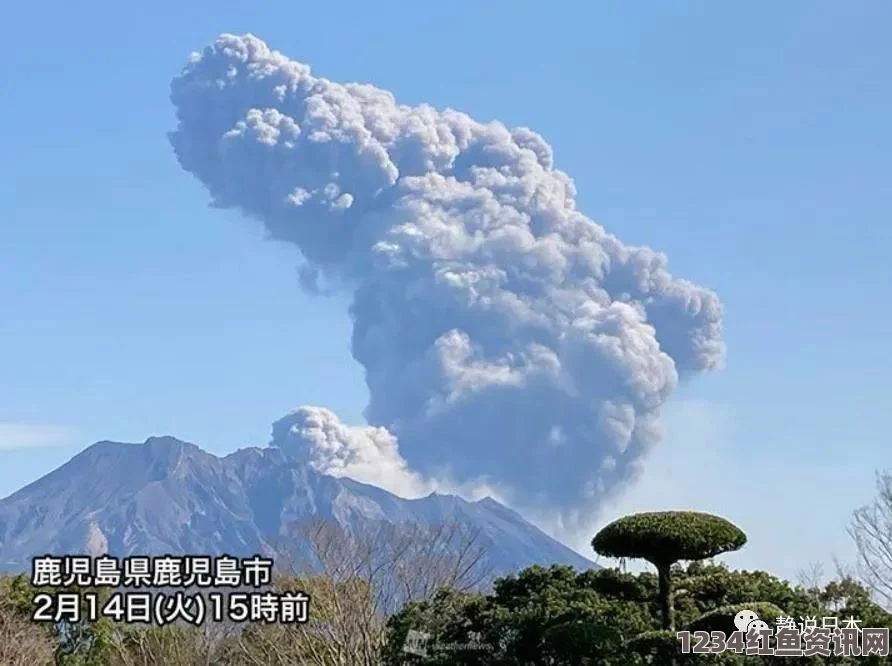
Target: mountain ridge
{"x": 168, "y": 496}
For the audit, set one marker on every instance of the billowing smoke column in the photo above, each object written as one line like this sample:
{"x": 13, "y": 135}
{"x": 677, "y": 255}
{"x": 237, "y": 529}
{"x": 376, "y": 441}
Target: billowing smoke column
{"x": 505, "y": 336}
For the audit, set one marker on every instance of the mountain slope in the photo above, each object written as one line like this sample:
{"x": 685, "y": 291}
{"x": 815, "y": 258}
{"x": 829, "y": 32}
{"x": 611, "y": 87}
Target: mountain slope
{"x": 168, "y": 496}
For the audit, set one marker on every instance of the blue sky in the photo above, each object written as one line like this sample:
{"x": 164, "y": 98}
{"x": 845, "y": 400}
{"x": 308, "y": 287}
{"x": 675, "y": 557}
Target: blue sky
{"x": 751, "y": 143}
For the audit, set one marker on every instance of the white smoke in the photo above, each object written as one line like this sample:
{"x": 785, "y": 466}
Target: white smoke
{"x": 505, "y": 336}
{"x": 315, "y": 436}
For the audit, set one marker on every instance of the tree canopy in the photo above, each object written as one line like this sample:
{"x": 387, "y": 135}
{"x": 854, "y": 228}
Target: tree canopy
{"x": 664, "y": 537}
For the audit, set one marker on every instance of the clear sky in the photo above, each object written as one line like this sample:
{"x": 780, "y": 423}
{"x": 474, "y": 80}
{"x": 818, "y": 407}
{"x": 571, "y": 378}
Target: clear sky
{"x": 749, "y": 142}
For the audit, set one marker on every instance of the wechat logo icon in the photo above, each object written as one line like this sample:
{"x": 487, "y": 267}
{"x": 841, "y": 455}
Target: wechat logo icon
{"x": 747, "y": 621}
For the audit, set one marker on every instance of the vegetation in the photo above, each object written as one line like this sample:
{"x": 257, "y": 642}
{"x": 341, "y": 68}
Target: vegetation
{"x": 722, "y": 618}
{"x": 401, "y": 597}
{"x": 665, "y": 537}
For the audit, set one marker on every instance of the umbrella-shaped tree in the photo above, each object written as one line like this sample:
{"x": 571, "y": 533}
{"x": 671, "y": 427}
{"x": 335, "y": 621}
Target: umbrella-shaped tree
{"x": 664, "y": 538}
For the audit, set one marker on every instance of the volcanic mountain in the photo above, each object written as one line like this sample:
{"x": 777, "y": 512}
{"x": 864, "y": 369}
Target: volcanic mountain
{"x": 166, "y": 496}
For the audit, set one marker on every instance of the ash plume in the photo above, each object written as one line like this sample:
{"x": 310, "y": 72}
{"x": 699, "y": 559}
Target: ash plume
{"x": 506, "y": 338}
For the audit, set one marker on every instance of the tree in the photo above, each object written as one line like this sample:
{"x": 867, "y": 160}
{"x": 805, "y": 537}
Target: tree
{"x": 170, "y": 645}
{"x": 664, "y": 538}
{"x": 547, "y": 616}
{"x": 722, "y": 618}
{"x": 871, "y": 530}
{"x": 556, "y": 616}
{"x": 355, "y": 579}
{"x": 83, "y": 642}
{"x": 22, "y": 642}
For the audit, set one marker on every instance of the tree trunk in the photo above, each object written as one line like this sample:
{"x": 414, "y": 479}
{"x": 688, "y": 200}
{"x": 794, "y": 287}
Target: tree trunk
{"x": 667, "y": 609}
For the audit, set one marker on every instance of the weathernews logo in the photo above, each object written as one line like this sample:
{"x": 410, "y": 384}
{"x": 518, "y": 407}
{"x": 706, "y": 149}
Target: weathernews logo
{"x": 421, "y": 644}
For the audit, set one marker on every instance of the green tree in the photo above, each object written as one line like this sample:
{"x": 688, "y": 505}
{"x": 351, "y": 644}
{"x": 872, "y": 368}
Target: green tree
{"x": 552, "y": 615}
{"x": 607, "y": 617}
{"x": 706, "y": 586}
{"x": 664, "y": 538}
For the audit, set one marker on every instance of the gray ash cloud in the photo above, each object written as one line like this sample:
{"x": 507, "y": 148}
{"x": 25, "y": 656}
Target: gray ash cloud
{"x": 505, "y": 336}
